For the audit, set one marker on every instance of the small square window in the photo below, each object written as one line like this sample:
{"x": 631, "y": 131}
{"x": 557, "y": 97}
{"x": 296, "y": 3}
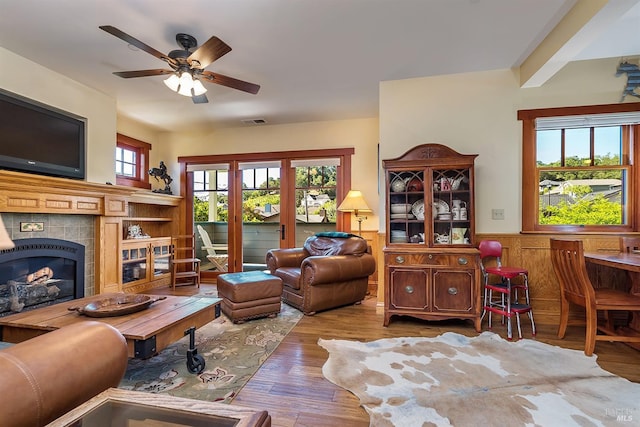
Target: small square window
{"x": 132, "y": 162}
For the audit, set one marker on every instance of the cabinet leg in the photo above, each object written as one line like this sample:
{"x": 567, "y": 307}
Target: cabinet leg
{"x": 477, "y": 323}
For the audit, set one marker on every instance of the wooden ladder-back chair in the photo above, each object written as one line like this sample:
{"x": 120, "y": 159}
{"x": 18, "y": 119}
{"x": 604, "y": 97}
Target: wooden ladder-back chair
{"x": 570, "y": 267}
{"x": 185, "y": 267}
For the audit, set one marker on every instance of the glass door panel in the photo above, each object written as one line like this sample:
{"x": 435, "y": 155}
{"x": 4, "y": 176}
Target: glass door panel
{"x": 261, "y": 219}
{"x": 315, "y": 199}
{"x": 211, "y": 219}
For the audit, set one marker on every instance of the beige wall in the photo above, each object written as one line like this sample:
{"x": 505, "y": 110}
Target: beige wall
{"x": 361, "y": 134}
{"x": 33, "y": 81}
{"x": 476, "y": 113}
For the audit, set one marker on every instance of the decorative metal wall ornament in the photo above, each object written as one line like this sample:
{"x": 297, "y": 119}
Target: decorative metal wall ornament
{"x": 160, "y": 173}
{"x": 633, "y": 78}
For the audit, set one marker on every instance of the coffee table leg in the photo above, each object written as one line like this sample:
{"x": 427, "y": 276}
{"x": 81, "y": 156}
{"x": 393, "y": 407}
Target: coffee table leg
{"x": 195, "y": 362}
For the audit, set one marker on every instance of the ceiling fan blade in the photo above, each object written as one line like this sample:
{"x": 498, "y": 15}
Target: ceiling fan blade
{"x": 220, "y": 79}
{"x": 141, "y": 73}
{"x": 199, "y": 99}
{"x": 137, "y": 43}
{"x": 210, "y": 51}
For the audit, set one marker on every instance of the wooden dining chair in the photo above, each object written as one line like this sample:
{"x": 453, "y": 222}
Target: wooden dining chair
{"x": 567, "y": 257}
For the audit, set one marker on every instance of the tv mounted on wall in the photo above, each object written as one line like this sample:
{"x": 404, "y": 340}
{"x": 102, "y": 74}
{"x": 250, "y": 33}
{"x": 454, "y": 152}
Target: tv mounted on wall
{"x": 40, "y": 139}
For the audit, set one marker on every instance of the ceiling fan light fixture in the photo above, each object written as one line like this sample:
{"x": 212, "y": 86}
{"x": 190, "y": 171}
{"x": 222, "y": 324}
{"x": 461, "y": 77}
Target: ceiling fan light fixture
{"x": 187, "y": 65}
{"x": 172, "y": 82}
{"x": 198, "y": 87}
{"x": 186, "y": 84}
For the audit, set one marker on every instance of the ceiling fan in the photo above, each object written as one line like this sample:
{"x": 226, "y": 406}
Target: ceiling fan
{"x": 187, "y": 65}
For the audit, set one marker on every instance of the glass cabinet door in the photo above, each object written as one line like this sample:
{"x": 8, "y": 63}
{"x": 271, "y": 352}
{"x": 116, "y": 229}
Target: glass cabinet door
{"x": 452, "y": 204}
{"x": 161, "y": 258}
{"x": 134, "y": 264}
{"x": 406, "y": 206}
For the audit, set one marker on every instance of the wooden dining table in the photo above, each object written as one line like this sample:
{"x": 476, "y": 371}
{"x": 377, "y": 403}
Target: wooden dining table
{"x": 629, "y": 262}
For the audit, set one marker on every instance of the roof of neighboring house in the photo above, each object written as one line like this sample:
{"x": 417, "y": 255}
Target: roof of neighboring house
{"x": 591, "y": 182}
{"x": 261, "y": 210}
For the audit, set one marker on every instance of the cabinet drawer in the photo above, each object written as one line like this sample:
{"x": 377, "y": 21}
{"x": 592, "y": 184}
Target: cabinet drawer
{"x": 450, "y": 260}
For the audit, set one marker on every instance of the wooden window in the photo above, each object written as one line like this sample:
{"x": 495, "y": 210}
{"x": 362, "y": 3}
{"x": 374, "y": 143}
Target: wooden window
{"x": 579, "y": 173}
{"x": 132, "y": 162}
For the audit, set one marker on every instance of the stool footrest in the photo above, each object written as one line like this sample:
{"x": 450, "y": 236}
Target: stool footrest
{"x": 249, "y": 295}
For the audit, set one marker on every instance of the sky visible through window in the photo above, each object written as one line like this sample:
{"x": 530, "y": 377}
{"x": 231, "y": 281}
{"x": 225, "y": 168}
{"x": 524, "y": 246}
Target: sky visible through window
{"x": 607, "y": 141}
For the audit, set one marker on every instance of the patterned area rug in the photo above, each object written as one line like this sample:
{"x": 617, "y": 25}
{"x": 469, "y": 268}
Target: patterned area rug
{"x": 485, "y": 380}
{"x": 232, "y": 353}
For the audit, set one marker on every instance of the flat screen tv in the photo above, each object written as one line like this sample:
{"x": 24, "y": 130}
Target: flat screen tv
{"x": 41, "y": 139}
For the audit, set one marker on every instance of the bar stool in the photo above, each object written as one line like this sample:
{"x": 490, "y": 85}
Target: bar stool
{"x": 507, "y": 303}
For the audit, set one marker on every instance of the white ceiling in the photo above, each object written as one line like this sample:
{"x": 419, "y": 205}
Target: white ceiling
{"x": 314, "y": 59}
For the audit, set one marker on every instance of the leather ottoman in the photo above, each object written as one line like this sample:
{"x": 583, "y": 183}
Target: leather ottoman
{"x": 249, "y": 295}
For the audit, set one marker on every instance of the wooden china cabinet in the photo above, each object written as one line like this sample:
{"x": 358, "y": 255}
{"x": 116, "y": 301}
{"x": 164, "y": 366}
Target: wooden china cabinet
{"x": 432, "y": 267}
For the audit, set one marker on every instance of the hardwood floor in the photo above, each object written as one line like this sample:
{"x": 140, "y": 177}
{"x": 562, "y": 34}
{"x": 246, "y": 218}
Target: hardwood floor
{"x": 290, "y": 385}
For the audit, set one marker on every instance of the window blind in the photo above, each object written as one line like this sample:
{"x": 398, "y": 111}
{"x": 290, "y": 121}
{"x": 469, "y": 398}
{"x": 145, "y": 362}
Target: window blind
{"x": 591, "y": 120}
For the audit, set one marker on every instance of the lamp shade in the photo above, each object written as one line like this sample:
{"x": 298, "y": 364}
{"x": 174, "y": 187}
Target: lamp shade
{"x": 354, "y": 202}
{"x": 186, "y": 84}
{"x": 5, "y": 240}
{"x": 198, "y": 87}
{"x": 172, "y": 82}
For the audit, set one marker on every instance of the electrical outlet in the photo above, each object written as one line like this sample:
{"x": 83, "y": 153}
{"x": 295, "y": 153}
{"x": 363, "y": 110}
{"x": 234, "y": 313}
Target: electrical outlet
{"x": 497, "y": 214}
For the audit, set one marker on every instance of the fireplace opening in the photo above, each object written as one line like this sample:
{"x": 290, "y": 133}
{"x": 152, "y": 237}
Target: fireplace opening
{"x": 40, "y": 272}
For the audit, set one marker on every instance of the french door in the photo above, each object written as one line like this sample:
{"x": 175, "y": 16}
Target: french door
{"x": 246, "y": 204}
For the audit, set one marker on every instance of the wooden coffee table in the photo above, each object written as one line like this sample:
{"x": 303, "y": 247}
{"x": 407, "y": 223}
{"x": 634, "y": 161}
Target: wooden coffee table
{"x": 147, "y": 332}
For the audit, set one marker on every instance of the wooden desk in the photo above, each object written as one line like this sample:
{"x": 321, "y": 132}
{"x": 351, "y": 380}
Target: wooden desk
{"x": 623, "y": 261}
{"x": 147, "y": 332}
{"x": 629, "y": 262}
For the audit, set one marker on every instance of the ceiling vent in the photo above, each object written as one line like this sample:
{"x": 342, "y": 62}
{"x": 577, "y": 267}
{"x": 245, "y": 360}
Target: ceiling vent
{"x": 254, "y": 121}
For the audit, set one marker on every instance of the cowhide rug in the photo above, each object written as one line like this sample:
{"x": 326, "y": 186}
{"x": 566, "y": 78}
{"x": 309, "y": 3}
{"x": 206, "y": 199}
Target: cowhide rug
{"x": 485, "y": 380}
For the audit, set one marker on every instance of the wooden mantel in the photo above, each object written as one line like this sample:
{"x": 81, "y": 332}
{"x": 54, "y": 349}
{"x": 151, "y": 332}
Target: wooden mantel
{"x": 113, "y": 207}
{"x": 27, "y": 193}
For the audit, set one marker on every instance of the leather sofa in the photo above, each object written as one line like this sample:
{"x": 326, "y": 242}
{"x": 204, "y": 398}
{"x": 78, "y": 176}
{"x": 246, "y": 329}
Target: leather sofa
{"x": 47, "y": 376}
{"x": 330, "y": 270}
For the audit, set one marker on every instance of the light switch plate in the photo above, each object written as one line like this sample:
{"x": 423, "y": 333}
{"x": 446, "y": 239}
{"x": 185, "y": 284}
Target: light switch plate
{"x": 497, "y": 214}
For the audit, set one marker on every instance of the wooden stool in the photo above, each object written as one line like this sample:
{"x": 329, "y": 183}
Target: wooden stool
{"x": 249, "y": 295}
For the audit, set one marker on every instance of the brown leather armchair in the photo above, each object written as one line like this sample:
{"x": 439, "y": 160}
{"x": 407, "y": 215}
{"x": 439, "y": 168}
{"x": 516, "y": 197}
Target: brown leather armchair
{"x": 331, "y": 270}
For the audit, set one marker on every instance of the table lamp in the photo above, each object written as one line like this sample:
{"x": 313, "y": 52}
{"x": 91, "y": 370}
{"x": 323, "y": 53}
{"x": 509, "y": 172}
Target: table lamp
{"x": 354, "y": 202}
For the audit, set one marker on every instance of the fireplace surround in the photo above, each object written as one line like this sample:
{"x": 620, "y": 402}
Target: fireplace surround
{"x": 91, "y": 214}
{"x": 39, "y": 272}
